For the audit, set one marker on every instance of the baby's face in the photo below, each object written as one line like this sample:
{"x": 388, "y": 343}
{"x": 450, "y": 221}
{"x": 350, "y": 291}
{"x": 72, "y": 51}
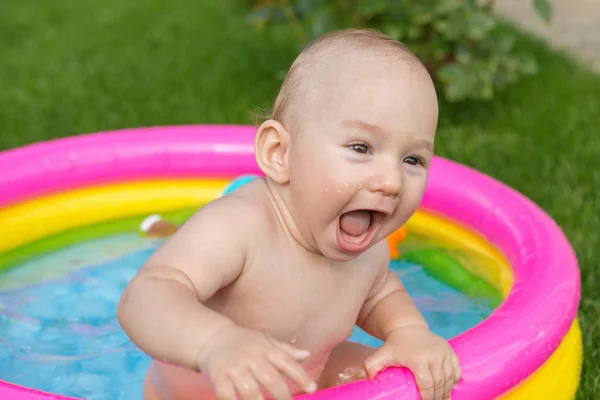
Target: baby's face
{"x": 359, "y": 162}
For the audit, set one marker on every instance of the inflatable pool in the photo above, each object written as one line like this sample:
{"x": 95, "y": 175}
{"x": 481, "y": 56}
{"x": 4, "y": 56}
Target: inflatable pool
{"x": 529, "y": 347}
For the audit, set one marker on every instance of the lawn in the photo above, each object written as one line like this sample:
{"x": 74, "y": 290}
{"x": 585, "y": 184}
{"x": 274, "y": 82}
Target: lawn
{"x": 72, "y": 66}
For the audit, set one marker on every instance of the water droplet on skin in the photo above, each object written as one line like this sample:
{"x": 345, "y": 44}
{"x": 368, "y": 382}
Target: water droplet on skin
{"x": 294, "y": 340}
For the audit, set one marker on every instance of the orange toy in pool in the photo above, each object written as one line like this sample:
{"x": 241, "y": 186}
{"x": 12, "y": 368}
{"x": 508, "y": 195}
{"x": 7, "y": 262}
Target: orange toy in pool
{"x": 395, "y": 239}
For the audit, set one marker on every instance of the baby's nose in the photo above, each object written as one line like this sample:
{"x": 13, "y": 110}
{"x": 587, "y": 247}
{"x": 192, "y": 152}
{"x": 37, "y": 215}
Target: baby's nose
{"x": 388, "y": 183}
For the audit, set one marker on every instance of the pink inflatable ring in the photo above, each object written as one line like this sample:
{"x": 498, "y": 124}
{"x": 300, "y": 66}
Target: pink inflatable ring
{"x": 530, "y": 347}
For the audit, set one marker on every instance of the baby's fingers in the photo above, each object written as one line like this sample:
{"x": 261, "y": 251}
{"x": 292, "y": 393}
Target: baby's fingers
{"x": 437, "y": 373}
{"x": 246, "y": 386}
{"x": 225, "y": 390}
{"x": 293, "y": 351}
{"x": 294, "y": 370}
{"x": 456, "y": 366}
{"x": 272, "y": 381}
{"x": 449, "y": 380}
{"x": 425, "y": 381}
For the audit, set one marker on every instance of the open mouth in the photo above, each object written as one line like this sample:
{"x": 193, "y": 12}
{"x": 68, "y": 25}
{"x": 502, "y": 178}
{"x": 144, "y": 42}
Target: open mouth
{"x": 356, "y": 229}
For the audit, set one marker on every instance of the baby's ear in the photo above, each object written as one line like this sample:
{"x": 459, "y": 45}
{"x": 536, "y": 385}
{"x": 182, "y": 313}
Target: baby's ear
{"x": 271, "y": 147}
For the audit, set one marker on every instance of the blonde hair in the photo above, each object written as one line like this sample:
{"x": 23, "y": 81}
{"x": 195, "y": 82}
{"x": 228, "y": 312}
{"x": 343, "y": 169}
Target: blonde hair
{"x": 363, "y": 39}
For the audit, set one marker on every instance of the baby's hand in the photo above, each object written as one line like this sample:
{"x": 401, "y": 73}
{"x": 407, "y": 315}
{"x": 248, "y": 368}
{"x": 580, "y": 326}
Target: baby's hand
{"x": 242, "y": 360}
{"x": 433, "y": 362}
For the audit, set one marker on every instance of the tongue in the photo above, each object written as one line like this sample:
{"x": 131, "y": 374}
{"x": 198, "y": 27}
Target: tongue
{"x": 355, "y": 223}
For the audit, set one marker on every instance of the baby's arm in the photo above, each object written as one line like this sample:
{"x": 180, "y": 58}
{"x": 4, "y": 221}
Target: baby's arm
{"x": 162, "y": 308}
{"x": 389, "y": 305}
{"x": 391, "y": 315}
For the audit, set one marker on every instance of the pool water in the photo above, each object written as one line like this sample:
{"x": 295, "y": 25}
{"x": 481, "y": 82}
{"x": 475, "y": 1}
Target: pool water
{"x": 59, "y": 332}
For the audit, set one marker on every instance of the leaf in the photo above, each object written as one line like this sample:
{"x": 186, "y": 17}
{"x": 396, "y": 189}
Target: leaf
{"x": 260, "y": 17}
{"x": 304, "y": 7}
{"x": 394, "y": 31}
{"x": 320, "y": 22}
{"x": 443, "y": 7}
{"x": 439, "y": 49}
{"x": 505, "y": 43}
{"x": 371, "y": 8}
{"x": 479, "y": 25}
{"x": 487, "y": 91}
{"x": 453, "y": 28}
{"x": 414, "y": 32}
{"x": 463, "y": 56}
{"x": 544, "y": 9}
{"x": 528, "y": 65}
{"x": 459, "y": 82}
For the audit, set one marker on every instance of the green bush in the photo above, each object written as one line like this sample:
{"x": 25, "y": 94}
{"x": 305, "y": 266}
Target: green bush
{"x": 467, "y": 53}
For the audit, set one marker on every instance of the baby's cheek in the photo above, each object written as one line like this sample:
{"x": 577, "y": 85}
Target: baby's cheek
{"x": 414, "y": 188}
{"x": 411, "y": 199}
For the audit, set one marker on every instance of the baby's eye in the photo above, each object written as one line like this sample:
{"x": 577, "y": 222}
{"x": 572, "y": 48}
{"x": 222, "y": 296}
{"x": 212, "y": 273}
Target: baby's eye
{"x": 361, "y": 148}
{"x": 412, "y": 160}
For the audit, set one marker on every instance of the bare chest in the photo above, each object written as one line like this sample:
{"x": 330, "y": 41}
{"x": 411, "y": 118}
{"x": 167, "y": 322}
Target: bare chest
{"x": 296, "y": 300}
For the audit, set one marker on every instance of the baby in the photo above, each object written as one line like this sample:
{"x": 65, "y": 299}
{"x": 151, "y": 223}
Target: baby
{"x": 256, "y": 295}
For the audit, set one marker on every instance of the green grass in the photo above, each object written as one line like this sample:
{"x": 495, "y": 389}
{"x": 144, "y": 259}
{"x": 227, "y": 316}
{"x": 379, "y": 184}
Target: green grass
{"x": 70, "y": 67}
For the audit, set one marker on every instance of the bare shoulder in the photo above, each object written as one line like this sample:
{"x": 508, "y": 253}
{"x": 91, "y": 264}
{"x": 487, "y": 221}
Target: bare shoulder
{"x": 236, "y": 214}
{"x": 210, "y": 250}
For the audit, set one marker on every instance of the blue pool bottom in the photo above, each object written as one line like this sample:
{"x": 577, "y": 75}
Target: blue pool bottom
{"x": 59, "y": 332}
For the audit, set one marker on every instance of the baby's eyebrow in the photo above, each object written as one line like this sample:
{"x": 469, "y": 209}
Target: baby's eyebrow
{"x": 363, "y": 125}
{"x": 422, "y": 143}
